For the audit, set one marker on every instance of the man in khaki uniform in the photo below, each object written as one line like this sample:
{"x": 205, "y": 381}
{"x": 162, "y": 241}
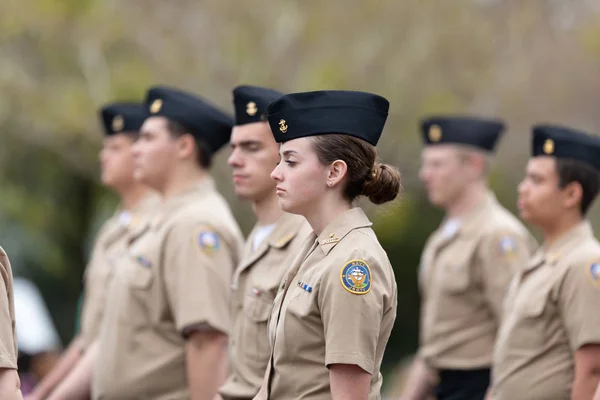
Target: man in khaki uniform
{"x": 9, "y": 379}
{"x": 467, "y": 263}
{"x": 270, "y": 248}
{"x": 549, "y": 341}
{"x": 121, "y": 123}
{"x": 164, "y": 335}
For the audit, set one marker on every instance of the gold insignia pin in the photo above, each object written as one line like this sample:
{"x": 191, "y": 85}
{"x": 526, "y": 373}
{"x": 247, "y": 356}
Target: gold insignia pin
{"x": 283, "y": 126}
{"x": 549, "y": 146}
{"x": 118, "y": 123}
{"x": 332, "y": 239}
{"x": 251, "y": 109}
{"x": 283, "y": 240}
{"x": 156, "y": 106}
{"x": 435, "y": 133}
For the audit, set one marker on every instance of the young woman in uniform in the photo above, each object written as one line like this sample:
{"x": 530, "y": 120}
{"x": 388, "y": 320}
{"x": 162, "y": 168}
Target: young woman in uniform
{"x": 335, "y": 310}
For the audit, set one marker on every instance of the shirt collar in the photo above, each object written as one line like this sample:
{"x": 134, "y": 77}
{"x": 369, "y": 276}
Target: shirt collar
{"x": 340, "y": 227}
{"x": 198, "y": 189}
{"x": 569, "y": 239}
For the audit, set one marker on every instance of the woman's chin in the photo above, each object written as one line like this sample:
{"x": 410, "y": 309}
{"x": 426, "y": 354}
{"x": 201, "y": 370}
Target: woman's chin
{"x": 287, "y": 207}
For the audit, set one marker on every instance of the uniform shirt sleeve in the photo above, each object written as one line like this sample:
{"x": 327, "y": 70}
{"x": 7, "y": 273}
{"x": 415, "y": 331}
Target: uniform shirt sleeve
{"x": 502, "y": 255}
{"x": 352, "y": 321}
{"x": 198, "y": 269}
{"x": 578, "y": 299}
{"x": 8, "y": 356}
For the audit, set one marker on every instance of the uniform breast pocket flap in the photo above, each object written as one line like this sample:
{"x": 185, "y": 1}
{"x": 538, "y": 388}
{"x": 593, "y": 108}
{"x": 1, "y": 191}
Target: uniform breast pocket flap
{"x": 534, "y": 306}
{"x": 142, "y": 272}
{"x": 457, "y": 273}
{"x": 257, "y": 305}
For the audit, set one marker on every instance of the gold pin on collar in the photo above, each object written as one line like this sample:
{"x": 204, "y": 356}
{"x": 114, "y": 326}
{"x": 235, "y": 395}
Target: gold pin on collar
{"x": 332, "y": 239}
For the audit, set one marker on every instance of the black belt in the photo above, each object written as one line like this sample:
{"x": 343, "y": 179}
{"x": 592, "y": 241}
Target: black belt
{"x": 463, "y": 384}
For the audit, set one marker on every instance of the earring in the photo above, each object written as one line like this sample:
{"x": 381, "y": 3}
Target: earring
{"x": 329, "y": 183}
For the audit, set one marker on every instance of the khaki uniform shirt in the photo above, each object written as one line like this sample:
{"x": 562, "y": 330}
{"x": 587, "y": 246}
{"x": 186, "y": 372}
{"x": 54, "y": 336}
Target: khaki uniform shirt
{"x": 466, "y": 267}
{"x": 255, "y": 285}
{"x": 551, "y": 310}
{"x": 175, "y": 278}
{"x": 8, "y": 337}
{"x": 337, "y": 305}
{"x": 109, "y": 247}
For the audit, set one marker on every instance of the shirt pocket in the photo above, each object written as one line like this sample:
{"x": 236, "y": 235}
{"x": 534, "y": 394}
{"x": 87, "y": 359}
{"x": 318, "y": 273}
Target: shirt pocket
{"x": 257, "y": 309}
{"x": 532, "y": 319}
{"x": 141, "y": 272}
{"x": 257, "y": 305}
{"x": 456, "y": 270}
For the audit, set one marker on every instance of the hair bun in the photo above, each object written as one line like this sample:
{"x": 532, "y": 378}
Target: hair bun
{"x": 382, "y": 184}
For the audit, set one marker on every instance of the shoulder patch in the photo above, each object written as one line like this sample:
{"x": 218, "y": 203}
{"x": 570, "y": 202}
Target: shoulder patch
{"x": 356, "y": 277}
{"x": 507, "y": 246}
{"x": 208, "y": 240}
{"x": 593, "y": 271}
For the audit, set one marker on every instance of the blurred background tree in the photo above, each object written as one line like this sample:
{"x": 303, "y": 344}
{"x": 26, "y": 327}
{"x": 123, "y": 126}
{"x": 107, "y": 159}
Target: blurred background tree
{"x": 534, "y": 61}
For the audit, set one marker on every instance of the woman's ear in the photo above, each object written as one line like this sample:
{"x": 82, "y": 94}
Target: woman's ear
{"x": 337, "y": 172}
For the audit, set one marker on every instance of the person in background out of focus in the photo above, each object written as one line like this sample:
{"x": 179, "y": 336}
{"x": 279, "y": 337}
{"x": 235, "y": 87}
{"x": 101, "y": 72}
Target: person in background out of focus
{"x": 548, "y": 346}
{"x": 121, "y": 123}
{"x": 39, "y": 344}
{"x": 466, "y": 264}
{"x": 276, "y": 237}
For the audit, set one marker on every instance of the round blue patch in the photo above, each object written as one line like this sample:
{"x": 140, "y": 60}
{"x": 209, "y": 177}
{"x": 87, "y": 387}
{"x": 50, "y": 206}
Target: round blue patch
{"x": 209, "y": 240}
{"x": 356, "y": 277}
{"x": 595, "y": 272}
{"x": 507, "y": 246}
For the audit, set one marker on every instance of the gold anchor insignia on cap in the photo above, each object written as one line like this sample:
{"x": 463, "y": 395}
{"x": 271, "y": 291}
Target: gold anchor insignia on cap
{"x": 251, "y": 109}
{"x": 156, "y": 106}
{"x": 118, "y": 123}
{"x": 435, "y": 133}
{"x": 549, "y": 146}
{"x": 283, "y": 126}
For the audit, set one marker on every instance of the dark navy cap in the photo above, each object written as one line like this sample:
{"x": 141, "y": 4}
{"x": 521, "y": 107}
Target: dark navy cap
{"x": 122, "y": 117}
{"x": 250, "y": 103}
{"x": 352, "y": 113}
{"x": 476, "y": 132}
{"x": 203, "y": 120}
{"x": 562, "y": 142}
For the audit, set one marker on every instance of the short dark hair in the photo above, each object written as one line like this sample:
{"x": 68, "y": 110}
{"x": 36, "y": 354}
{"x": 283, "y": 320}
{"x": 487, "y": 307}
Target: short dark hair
{"x": 569, "y": 171}
{"x": 203, "y": 155}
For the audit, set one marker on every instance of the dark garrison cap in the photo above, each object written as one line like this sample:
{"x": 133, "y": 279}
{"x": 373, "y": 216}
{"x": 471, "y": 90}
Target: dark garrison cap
{"x": 250, "y": 103}
{"x": 477, "y": 132}
{"x": 352, "y": 113}
{"x": 562, "y": 142}
{"x": 203, "y": 120}
{"x": 122, "y": 117}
